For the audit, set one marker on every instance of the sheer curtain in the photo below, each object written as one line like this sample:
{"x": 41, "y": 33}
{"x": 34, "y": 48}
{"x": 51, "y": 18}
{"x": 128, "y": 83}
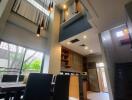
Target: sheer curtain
{"x": 11, "y": 58}
{"x": 25, "y": 9}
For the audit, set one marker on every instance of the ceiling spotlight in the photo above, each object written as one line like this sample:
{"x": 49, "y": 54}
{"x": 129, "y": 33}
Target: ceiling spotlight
{"x": 64, "y": 6}
{"x": 68, "y": 43}
{"x": 91, "y": 51}
{"x": 126, "y": 30}
{"x": 84, "y": 36}
{"x": 86, "y": 48}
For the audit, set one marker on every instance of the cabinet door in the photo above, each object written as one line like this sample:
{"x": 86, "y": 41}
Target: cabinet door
{"x": 93, "y": 80}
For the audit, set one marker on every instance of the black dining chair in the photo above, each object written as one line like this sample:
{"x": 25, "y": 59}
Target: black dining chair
{"x": 38, "y": 87}
{"x": 2, "y": 95}
{"x": 9, "y": 78}
{"x": 61, "y": 90}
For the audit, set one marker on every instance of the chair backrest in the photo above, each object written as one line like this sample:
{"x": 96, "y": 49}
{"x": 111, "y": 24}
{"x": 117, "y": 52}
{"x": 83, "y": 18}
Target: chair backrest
{"x": 9, "y": 78}
{"x": 61, "y": 90}
{"x": 38, "y": 87}
{"x": 21, "y": 78}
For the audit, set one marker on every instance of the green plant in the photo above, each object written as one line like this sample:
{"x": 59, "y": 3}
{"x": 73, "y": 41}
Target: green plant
{"x": 34, "y": 65}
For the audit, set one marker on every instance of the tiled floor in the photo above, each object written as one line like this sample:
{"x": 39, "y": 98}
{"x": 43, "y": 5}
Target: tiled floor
{"x": 98, "y": 96}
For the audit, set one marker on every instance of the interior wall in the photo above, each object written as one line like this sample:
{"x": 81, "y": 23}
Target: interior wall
{"x": 3, "y": 4}
{"x": 53, "y": 44}
{"x": 114, "y": 52}
{"x": 20, "y": 36}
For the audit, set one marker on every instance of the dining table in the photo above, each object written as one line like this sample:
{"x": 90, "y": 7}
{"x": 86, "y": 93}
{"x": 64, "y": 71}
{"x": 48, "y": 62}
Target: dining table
{"x": 14, "y": 87}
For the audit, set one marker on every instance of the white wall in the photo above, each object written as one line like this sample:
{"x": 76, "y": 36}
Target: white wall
{"x": 23, "y": 37}
{"x": 3, "y": 4}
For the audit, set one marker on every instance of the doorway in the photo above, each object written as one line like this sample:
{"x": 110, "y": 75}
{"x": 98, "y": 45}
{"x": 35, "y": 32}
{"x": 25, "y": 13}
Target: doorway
{"x": 102, "y": 77}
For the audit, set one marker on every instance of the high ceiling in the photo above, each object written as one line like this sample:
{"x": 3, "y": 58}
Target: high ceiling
{"x": 105, "y": 14}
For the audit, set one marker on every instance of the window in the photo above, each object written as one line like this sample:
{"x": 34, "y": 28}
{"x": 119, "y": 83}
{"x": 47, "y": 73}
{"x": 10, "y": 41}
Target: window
{"x": 16, "y": 59}
{"x": 32, "y": 61}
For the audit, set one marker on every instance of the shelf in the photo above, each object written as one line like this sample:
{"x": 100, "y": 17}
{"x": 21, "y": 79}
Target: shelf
{"x": 64, "y": 60}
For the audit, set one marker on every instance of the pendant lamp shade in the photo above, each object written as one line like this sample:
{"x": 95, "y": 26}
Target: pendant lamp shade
{"x": 42, "y": 24}
{"x": 38, "y": 31}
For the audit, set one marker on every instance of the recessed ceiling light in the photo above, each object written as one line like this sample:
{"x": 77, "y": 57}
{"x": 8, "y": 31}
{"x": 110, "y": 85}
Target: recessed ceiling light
{"x": 86, "y": 48}
{"x": 91, "y": 51}
{"x": 84, "y": 36}
{"x": 126, "y": 30}
{"x": 64, "y": 6}
{"x": 68, "y": 43}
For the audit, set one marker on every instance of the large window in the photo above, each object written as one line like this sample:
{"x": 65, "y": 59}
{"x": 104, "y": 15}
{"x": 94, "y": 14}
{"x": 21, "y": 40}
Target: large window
{"x": 32, "y": 61}
{"x": 16, "y": 59}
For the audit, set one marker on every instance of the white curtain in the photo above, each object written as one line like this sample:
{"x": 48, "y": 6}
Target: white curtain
{"x": 25, "y": 9}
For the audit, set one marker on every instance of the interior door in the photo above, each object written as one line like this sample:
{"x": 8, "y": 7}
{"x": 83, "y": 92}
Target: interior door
{"x": 93, "y": 80}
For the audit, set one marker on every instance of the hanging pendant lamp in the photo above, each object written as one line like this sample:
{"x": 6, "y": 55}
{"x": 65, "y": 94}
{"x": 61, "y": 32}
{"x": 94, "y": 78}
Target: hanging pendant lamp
{"x": 38, "y": 31}
{"x": 49, "y": 6}
{"x": 76, "y": 2}
{"x": 52, "y": 5}
{"x": 42, "y": 24}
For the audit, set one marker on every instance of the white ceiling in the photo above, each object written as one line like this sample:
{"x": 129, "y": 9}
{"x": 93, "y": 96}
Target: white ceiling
{"x": 92, "y": 42}
{"x": 106, "y": 14}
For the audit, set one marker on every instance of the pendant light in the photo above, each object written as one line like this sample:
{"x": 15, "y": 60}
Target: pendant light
{"x": 76, "y": 2}
{"x": 42, "y": 24}
{"x": 49, "y": 6}
{"x": 38, "y": 31}
{"x": 52, "y": 5}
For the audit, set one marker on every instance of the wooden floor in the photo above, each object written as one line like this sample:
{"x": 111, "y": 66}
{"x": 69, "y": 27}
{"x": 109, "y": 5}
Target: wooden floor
{"x": 98, "y": 96}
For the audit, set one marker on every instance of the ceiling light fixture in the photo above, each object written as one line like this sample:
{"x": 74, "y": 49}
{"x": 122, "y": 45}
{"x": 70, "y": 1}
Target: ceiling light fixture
{"x": 126, "y": 30}
{"x": 68, "y": 43}
{"x": 86, "y": 48}
{"x": 64, "y": 7}
{"x": 91, "y": 51}
{"x": 84, "y": 36}
{"x": 38, "y": 6}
